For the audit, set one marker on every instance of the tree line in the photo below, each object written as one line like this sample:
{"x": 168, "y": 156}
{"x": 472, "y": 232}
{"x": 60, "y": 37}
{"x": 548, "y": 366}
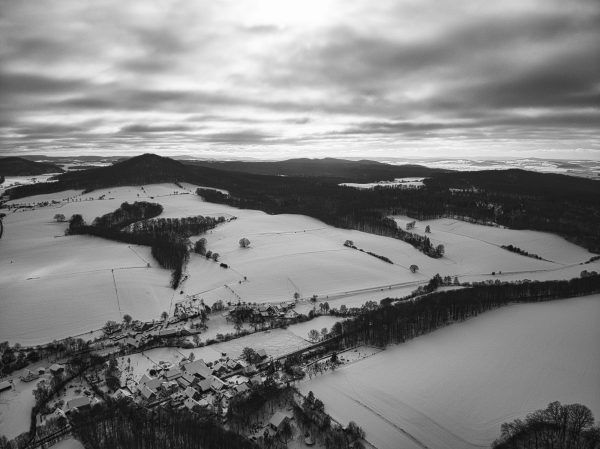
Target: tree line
{"x": 558, "y": 426}
{"x": 117, "y": 425}
{"x": 514, "y": 198}
{"x": 400, "y": 321}
{"x": 168, "y": 238}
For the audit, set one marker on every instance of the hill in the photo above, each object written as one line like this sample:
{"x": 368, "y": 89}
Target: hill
{"x": 340, "y": 169}
{"x": 17, "y": 166}
{"x": 517, "y": 199}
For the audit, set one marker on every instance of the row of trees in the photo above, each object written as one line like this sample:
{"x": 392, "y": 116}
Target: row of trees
{"x": 182, "y": 227}
{"x": 400, "y": 321}
{"x": 117, "y": 425}
{"x": 168, "y": 238}
{"x": 127, "y": 214}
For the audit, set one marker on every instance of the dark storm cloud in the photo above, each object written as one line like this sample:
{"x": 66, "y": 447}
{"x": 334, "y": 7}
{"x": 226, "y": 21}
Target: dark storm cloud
{"x": 32, "y": 84}
{"x": 143, "y": 129}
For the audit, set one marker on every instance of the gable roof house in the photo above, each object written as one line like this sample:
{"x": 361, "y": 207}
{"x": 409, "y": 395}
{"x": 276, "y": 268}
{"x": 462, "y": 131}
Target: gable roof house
{"x": 276, "y": 422}
{"x": 204, "y": 385}
{"x": 241, "y": 388}
{"x": 79, "y": 403}
{"x": 147, "y": 393}
{"x": 190, "y": 403}
{"x": 187, "y": 379}
{"x": 172, "y": 374}
{"x": 218, "y": 368}
{"x": 169, "y": 387}
{"x": 217, "y": 384}
{"x": 198, "y": 368}
{"x": 192, "y": 393}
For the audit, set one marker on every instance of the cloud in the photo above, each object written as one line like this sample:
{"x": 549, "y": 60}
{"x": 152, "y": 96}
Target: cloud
{"x": 359, "y": 76}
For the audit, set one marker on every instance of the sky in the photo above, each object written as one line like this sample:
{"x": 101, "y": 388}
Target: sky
{"x": 311, "y": 78}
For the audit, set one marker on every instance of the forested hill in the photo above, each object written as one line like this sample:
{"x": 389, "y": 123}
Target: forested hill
{"x": 567, "y": 206}
{"x": 339, "y": 170}
{"x": 16, "y": 166}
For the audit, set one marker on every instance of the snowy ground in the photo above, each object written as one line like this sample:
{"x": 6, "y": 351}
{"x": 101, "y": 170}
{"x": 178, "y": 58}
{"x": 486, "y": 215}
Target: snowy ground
{"x": 54, "y": 286}
{"x": 456, "y": 386}
{"x": 69, "y": 443}
{"x": 302, "y": 329}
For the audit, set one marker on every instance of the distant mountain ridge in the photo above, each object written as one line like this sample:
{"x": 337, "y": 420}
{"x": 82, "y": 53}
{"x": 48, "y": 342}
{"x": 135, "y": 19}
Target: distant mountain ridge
{"x": 514, "y": 198}
{"x": 347, "y": 171}
{"x": 17, "y": 166}
{"x": 150, "y": 169}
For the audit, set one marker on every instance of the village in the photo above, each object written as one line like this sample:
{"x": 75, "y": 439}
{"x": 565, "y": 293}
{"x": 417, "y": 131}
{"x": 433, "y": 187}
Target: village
{"x": 127, "y": 373}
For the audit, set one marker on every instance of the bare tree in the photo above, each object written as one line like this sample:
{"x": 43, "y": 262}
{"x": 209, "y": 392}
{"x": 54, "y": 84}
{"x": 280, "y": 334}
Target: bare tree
{"x": 313, "y": 335}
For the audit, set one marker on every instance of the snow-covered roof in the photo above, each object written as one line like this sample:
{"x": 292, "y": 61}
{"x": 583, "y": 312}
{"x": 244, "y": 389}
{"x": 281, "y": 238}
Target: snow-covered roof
{"x": 277, "y": 419}
{"x": 147, "y": 392}
{"x": 81, "y": 401}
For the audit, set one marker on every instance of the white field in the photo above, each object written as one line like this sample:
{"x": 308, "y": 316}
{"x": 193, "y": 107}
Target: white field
{"x": 69, "y": 443}
{"x": 453, "y": 388}
{"x": 302, "y": 329}
{"x": 53, "y": 286}
{"x": 15, "y": 408}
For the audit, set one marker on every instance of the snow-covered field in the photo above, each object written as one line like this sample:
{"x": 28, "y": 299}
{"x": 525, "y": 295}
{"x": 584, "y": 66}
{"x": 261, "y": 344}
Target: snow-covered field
{"x": 454, "y": 387}
{"x": 53, "y": 286}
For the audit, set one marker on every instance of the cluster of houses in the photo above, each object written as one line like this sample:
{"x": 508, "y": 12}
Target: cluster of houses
{"x": 28, "y": 375}
{"x": 193, "y": 384}
{"x": 263, "y": 312}
{"x": 136, "y": 337}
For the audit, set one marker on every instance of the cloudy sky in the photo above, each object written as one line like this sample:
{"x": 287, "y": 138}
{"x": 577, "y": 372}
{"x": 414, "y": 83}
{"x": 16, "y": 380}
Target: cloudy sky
{"x": 279, "y": 78}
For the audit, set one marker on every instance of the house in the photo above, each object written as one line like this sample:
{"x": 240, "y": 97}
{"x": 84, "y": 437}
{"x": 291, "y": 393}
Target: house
{"x": 147, "y": 393}
{"x": 198, "y": 368}
{"x": 192, "y": 393}
{"x": 233, "y": 364}
{"x": 129, "y": 341}
{"x": 217, "y": 384}
{"x": 172, "y": 374}
{"x": 190, "y": 403}
{"x": 56, "y": 368}
{"x": 169, "y": 387}
{"x": 147, "y": 382}
{"x": 262, "y": 353}
{"x": 6, "y": 385}
{"x": 79, "y": 403}
{"x": 256, "y": 380}
{"x": 167, "y": 333}
{"x": 218, "y": 368}
{"x": 187, "y": 379}
{"x": 204, "y": 385}
{"x": 241, "y": 388}
{"x": 28, "y": 376}
{"x": 277, "y": 421}
{"x": 145, "y": 378}
{"x": 154, "y": 384}
{"x": 290, "y": 314}
{"x": 123, "y": 394}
